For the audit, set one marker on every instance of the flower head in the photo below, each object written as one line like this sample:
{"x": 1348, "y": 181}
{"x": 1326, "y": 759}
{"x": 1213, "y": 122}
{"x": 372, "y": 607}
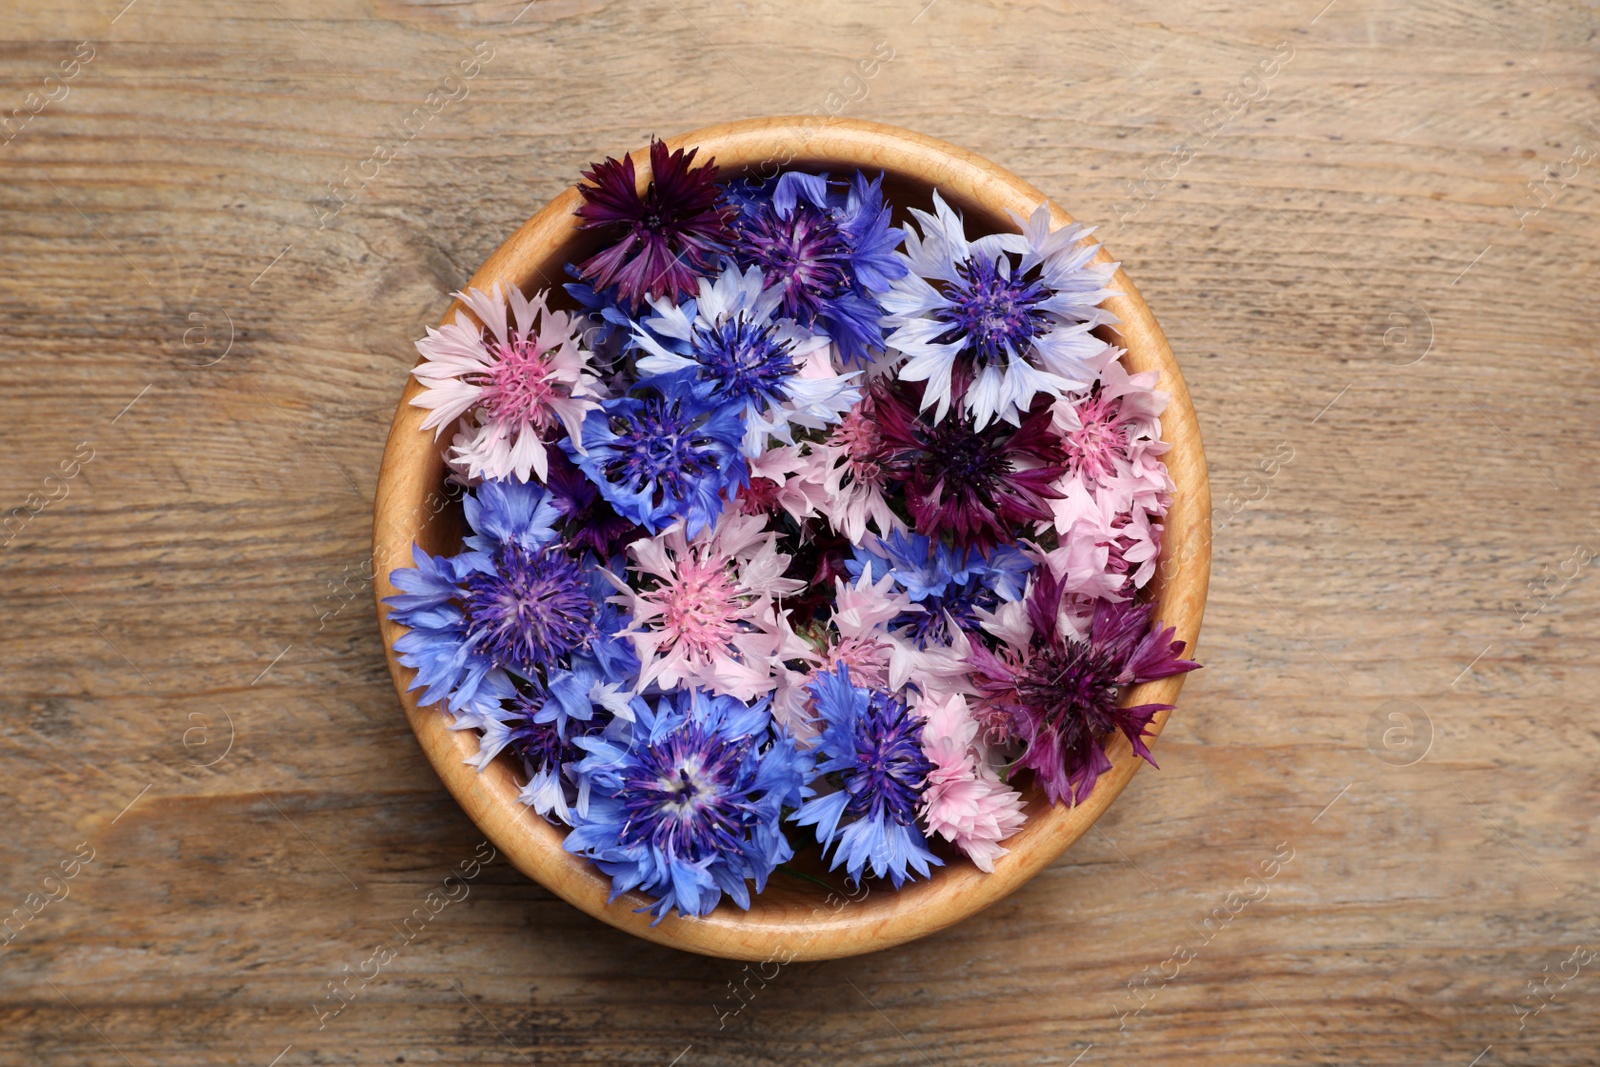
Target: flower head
{"x": 703, "y": 608}
{"x": 664, "y": 238}
{"x": 529, "y": 610}
{"x": 513, "y": 600}
{"x": 666, "y": 455}
{"x": 950, "y": 587}
{"x": 686, "y": 808}
{"x": 855, "y": 460}
{"x": 1061, "y": 691}
{"x": 979, "y": 485}
{"x": 768, "y": 370}
{"x": 1112, "y": 436}
{"x": 524, "y": 724}
{"x": 990, "y": 324}
{"x": 510, "y": 384}
{"x": 872, "y": 742}
{"x": 827, "y": 248}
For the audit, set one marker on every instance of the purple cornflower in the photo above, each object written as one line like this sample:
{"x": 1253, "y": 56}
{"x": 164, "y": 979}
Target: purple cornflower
{"x": 873, "y": 743}
{"x": 827, "y": 248}
{"x": 588, "y": 521}
{"x": 1060, "y": 693}
{"x": 530, "y": 610}
{"x": 665, "y": 238}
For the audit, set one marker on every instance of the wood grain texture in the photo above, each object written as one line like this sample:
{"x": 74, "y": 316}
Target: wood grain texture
{"x": 207, "y": 565}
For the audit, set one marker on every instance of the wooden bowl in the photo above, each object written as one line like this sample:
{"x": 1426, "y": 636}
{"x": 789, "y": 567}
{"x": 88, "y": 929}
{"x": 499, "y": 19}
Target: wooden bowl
{"x": 794, "y": 918}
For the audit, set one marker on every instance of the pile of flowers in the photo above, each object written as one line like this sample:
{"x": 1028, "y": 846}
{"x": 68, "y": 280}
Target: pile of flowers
{"x": 801, "y": 527}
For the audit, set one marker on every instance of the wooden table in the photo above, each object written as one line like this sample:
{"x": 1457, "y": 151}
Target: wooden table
{"x": 1376, "y": 260}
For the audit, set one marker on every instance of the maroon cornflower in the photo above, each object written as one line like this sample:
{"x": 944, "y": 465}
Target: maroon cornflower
{"x": 664, "y": 239}
{"x": 1060, "y": 692}
{"x": 817, "y": 556}
{"x": 980, "y": 486}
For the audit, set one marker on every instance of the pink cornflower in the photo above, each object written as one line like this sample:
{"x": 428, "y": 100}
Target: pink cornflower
{"x": 783, "y": 478}
{"x": 1102, "y": 552}
{"x": 1085, "y": 530}
{"x": 854, "y": 458}
{"x": 705, "y": 611}
{"x": 965, "y": 801}
{"x": 1112, "y": 437}
{"x": 509, "y": 385}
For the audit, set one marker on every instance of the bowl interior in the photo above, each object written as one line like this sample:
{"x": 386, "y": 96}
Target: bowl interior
{"x": 814, "y": 913}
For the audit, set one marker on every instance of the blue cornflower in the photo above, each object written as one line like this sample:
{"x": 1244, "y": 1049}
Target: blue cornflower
{"x": 688, "y": 806}
{"x": 992, "y": 323}
{"x": 873, "y": 743}
{"x": 603, "y": 664}
{"x": 514, "y": 600}
{"x": 449, "y": 668}
{"x": 950, "y": 584}
{"x": 606, "y": 325}
{"x": 728, "y": 341}
{"x": 828, "y": 248}
{"x": 665, "y": 455}
{"x": 502, "y": 512}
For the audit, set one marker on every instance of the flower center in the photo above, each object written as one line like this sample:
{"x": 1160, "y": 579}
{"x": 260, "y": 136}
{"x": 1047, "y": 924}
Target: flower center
{"x": 805, "y": 254}
{"x": 993, "y": 313}
{"x": 700, "y": 608}
{"x": 964, "y": 457}
{"x": 681, "y": 795}
{"x": 746, "y": 360}
{"x": 518, "y": 387}
{"x": 658, "y": 446}
{"x": 1066, "y": 685}
{"x": 1091, "y": 450}
{"x": 532, "y": 611}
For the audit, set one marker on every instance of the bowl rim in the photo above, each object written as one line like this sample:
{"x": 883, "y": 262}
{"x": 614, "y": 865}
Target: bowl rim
{"x": 783, "y": 928}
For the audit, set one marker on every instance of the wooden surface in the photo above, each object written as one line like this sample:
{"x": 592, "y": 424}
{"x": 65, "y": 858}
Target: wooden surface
{"x": 1351, "y": 271}
{"x": 794, "y": 919}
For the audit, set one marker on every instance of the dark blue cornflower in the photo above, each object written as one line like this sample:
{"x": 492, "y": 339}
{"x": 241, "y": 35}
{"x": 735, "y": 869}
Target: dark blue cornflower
{"x": 667, "y": 454}
{"x": 827, "y": 247}
{"x": 873, "y": 743}
{"x": 687, "y": 807}
{"x": 952, "y": 585}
